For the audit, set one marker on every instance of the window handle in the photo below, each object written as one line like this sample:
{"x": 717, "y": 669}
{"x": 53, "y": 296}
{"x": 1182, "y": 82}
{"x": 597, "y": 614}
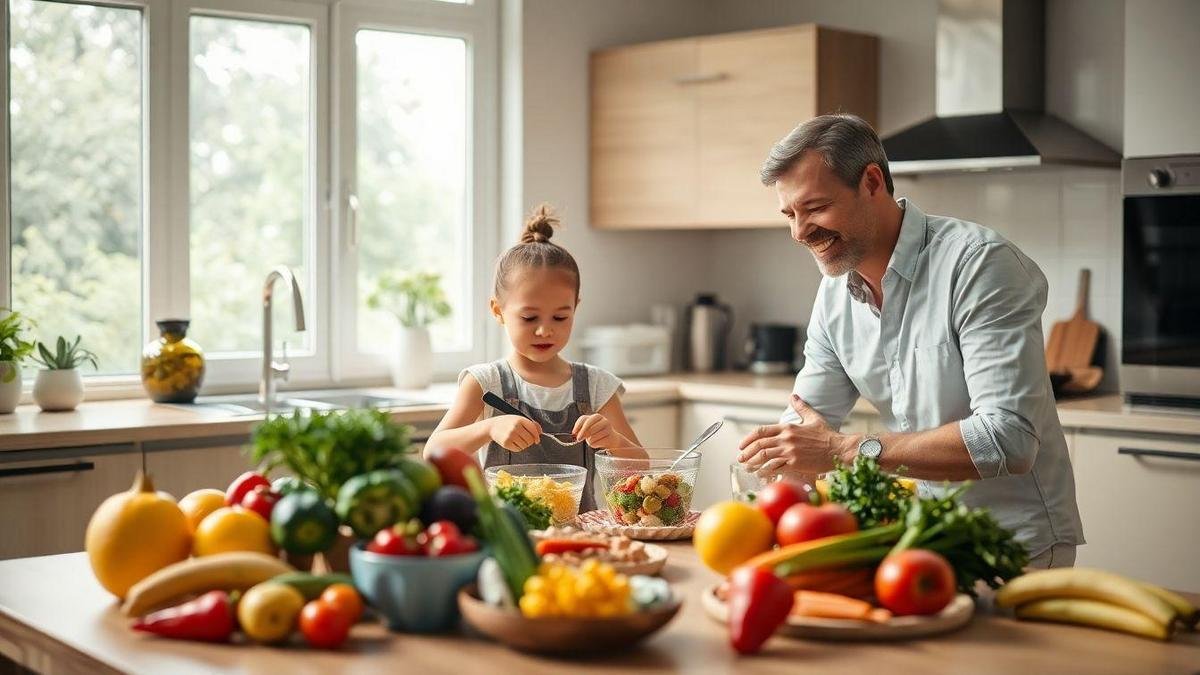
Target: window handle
{"x": 352, "y": 219}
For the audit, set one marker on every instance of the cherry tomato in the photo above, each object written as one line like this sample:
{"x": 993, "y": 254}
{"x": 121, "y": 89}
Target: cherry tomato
{"x": 323, "y": 625}
{"x": 390, "y": 542}
{"x": 242, "y": 485}
{"x": 446, "y": 527}
{"x": 443, "y": 545}
{"x": 261, "y": 501}
{"x": 345, "y": 599}
{"x": 915, "y": 582}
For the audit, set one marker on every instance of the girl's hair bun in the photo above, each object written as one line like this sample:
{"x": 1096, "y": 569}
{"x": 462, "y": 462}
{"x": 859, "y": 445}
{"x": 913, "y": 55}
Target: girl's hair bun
{"x": 540, "y": 226}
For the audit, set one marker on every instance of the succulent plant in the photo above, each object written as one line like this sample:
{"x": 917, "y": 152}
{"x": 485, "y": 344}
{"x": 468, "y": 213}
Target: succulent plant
{"x": 66, "y": 355}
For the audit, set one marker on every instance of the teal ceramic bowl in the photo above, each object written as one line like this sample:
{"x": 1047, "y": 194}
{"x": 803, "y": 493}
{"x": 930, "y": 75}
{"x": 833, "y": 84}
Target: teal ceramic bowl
{"x": 414, "y": 594}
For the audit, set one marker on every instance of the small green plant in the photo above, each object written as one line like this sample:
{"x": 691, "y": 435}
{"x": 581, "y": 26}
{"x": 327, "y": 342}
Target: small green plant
{"x": 12, "y": 347}
{"x": 416, "y": 299}
{"x": 66, "y": 355}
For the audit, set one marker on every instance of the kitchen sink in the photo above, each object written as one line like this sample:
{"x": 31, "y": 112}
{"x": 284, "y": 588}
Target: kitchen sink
{"x": 248, "y": 404}
{"x": 358, "y": 400}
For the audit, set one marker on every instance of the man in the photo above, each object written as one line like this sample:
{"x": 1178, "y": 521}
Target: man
{"x": 935, "y": 321}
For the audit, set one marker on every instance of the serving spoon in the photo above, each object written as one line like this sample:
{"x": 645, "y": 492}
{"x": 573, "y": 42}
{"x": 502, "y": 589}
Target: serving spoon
{"x": 704, "y": 436}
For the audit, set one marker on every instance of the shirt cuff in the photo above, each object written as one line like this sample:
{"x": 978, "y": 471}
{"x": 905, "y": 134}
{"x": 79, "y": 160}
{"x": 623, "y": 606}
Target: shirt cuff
{"x": 983, "y": 447}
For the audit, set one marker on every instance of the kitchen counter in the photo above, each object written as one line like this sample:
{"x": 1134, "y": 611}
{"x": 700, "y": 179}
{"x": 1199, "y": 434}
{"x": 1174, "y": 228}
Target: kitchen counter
{"x": 54, "y": 617}
{"x": 139, "y": 420}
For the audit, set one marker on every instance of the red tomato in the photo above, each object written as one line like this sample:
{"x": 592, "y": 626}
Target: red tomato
{"x": 242, "y": 485}
{"x": 261, "y": 501}
{"x": 390, "y": 542}
{"x": 776, "y": 497}
{"x": 345, "y": 599}
{"x": 805, "y": 522}
{"x": 446, "y": 527}
{"x": 443, "y": 545}
{"x": 915, "y": 582}
{"x": 451, "y": 463}
{"x": 323, "y": 625}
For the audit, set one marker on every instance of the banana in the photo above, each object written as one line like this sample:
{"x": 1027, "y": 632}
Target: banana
{"x": 1188, "y": 614}
{"x": 1094, "y": 613}
{"x": 1086, "y": 584}
{"x": 312, "y": 585}
{"x": 225, "y": 571}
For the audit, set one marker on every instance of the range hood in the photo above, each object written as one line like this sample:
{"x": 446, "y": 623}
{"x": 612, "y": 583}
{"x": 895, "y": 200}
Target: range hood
{"x": 991, "y": 97}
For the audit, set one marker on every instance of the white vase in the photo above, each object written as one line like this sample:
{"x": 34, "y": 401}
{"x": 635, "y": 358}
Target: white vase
{"x": 412, "y": 365}
{"x": 58, "y": 389}
{"x": 10, "y": 392}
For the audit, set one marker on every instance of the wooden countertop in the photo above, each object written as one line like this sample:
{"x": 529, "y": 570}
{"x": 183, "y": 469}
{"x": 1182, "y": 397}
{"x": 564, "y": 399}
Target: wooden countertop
{"x": 55, "y": 617}
{"x": 139, "y": 420}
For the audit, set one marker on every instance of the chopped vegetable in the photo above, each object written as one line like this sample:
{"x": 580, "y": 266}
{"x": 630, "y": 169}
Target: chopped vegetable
{"x": 560, "y": 498}
{"x": 592, "y": 590}
{"x": 536, "y": 513}
{"x": 649, "y": 501}
{"x": 559, "y": 546}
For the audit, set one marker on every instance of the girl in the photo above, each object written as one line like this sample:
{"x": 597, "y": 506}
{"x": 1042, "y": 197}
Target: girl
{"x": 534, "y": 299}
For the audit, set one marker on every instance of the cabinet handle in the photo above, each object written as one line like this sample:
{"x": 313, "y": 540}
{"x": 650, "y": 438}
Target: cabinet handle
{"x": 74, "y": 467}
{"x": 1169, "y": 454}
{"x": 701, "y": 78}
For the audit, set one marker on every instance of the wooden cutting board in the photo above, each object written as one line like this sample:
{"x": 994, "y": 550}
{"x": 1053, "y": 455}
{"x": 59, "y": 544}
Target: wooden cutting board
{"x": 1072, "y": 342}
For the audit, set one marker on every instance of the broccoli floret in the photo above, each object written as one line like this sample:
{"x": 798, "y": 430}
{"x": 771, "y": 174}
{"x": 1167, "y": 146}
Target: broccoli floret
{"x": 629, "y": 501}
{"x": 670, "y": 515}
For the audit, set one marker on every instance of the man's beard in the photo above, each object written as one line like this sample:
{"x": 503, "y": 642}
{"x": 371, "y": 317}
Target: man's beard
{"x": 849, "y": 252}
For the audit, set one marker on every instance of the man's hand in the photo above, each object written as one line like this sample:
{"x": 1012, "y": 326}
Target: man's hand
{"x": 807, "y": 447}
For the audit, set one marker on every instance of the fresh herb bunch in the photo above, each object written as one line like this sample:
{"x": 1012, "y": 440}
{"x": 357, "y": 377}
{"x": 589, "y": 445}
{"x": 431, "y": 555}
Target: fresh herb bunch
{"x": 415, "y": 299}
{"x": 66, "y": 355}
{"x": 12, "y": 347}
{"x": 325, "y": 449}
{"x": 873, "y": 496}
{"x": 536, "y": 514}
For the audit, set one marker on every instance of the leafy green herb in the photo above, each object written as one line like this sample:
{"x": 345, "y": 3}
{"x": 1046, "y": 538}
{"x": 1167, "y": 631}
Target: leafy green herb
{"x": 12, "y": 347}
{"x": 873, "y": 496}
{"x": 66, "y": 355}
{"x": 326, "y": 449}
{"x": 510, "y": 545}
{"x": 416, "y": 299}
{"x": 536, "y": 513}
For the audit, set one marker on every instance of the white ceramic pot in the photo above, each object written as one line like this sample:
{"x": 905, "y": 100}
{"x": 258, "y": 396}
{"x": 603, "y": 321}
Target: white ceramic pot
{"x": 58, "y": 389}
{"x": 10, "y": 392}
{"x": 413, "y": 364}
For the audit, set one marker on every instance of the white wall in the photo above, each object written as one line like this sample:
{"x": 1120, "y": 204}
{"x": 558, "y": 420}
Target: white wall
{"x": 1162, "y": 88}
{"x": 1085, "y": 66}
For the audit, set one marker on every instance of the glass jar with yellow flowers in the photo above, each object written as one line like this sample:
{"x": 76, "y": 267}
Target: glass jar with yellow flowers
{"x": 172, "y": 365}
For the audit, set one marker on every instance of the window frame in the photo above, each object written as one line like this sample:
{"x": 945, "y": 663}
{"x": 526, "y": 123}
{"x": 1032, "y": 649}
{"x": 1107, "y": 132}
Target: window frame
{"x": 165, "y": 208}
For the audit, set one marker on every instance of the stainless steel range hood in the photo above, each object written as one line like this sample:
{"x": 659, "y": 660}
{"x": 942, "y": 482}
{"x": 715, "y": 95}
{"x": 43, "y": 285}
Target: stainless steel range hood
{"x": 991, "y": 97}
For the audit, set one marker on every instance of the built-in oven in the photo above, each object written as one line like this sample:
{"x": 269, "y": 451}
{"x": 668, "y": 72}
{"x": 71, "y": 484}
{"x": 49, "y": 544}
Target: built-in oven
{"x": 1160, "y": 324}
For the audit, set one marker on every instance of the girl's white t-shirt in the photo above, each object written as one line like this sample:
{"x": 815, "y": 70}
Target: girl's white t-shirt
{"x": 602, "y": 386}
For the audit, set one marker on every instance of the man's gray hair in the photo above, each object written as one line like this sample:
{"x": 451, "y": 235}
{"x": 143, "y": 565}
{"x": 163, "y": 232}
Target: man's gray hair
{"x": 846, "y": 142}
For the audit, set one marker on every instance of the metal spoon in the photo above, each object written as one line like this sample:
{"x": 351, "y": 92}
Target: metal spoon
{"x": 704, "y": 436}
{"x": 504, "y": 407}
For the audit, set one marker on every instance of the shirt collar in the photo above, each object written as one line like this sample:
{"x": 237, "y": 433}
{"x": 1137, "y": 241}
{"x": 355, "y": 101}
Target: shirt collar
{"x": 904, "y": 255}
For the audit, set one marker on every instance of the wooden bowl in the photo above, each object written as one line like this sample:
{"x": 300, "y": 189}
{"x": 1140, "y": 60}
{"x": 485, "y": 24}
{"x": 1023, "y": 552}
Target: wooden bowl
{"x": 557, "y": 634}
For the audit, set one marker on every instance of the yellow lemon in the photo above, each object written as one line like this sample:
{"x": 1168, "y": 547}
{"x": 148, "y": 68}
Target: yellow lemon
{"x": 197, "y": 505}
{"x": 730, "y": 533}
{"x": 233, "y": 528}
{"x": 268, "y": 611}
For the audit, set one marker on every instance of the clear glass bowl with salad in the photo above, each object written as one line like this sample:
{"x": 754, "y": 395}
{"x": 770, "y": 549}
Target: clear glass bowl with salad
{"x": 558, "y": 487}
{"x": 647, "y": 492}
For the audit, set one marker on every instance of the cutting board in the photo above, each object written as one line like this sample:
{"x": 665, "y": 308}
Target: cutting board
{"x": 1072, "y": 342}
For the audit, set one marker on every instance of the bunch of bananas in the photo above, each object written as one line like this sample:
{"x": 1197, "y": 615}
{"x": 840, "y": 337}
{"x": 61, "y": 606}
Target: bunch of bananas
{"x": 1097, "y": 598}
{"x": 593, "y": 590}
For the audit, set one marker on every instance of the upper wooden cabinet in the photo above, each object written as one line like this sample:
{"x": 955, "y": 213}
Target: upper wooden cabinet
{"x": 680, "y": 128}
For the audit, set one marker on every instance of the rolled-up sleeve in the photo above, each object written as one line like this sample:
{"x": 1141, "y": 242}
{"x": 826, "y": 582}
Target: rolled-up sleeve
{"x": 822, "y": 382}
{"x": 998, "y": 304}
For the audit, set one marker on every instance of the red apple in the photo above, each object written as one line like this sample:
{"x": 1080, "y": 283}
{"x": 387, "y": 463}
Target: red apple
{"x": 451, "y": 463}
{"x": 805, "y": 522}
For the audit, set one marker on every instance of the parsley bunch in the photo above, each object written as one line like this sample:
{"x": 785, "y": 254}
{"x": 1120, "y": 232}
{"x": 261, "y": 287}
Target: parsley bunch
{"x": 536, "y": 514}
{"x": 872, "y": 496}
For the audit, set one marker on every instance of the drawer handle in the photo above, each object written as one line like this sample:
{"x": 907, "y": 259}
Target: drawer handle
{"x": 1169, "y": 454}
{"x": 74, "y": 467}
{"x": 701, "y": 78}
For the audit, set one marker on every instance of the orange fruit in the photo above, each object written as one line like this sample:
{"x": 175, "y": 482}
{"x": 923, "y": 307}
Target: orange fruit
{"x": 197, "y": 505}
{"x": 345, "y": 599}
{"x": 730, "y": 533}
{"x": 232, "y": 528}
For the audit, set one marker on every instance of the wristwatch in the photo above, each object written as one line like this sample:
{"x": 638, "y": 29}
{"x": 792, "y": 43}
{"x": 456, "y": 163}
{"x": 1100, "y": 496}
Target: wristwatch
{"x": 870, "y": 446}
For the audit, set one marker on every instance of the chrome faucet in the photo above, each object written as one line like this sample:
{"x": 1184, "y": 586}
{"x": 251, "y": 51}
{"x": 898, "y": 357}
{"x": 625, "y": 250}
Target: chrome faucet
{"x": 272, "y": 370}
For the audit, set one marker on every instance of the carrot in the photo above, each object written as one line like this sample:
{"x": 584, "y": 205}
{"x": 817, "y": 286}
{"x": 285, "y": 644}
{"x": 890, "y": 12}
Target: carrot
{"x": 828, "y": 580}
{"x": 834, "y": 606}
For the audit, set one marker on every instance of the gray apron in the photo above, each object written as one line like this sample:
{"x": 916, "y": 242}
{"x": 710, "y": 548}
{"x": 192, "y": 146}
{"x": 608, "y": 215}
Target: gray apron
{"x": 547, "y": 451}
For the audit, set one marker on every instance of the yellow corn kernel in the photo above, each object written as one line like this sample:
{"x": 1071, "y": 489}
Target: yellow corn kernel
{"x": 535, "y": 585}
{"x": 535, "y": 606}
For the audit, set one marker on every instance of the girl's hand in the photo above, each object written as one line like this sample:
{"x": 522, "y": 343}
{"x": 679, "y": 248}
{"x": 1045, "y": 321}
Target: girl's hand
{"x": 597, "y": 432}
{"x": 515, "y": 433}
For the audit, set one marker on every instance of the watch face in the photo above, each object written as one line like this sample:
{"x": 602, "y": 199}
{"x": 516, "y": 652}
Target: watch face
{"x": 870, "y": 447}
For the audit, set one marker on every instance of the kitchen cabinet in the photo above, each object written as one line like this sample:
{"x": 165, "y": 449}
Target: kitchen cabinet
{"x": 680, "y": 128}
{"x": 1136, "y": 496}
{"x": 48, "y": 497}
{"x": 179, "y": 467}
{"x": 656, "y": 426}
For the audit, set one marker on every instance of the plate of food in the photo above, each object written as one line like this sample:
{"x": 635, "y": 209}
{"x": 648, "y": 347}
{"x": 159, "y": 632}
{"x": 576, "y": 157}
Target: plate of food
{"x": 602, "y": 522}
{"x": 574, "y": 546}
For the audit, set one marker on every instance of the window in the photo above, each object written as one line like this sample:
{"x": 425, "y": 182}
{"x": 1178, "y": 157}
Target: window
{"x": 75, "y": 174}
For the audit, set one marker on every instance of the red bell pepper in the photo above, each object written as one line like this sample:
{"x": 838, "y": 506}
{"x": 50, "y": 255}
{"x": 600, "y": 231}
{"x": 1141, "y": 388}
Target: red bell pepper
{"x": 242, "y": 486}
{"x": 261, "y": 500}
{"x": 759, "y": 602}
{"x": 548, "y": 546}
{"x": 208, "y": 618}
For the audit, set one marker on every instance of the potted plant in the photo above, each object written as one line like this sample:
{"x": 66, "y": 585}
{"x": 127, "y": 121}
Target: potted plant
{"x": 416, "y": 300}
{"x": 59, "y": 386}
{"x": 12, "y": 351}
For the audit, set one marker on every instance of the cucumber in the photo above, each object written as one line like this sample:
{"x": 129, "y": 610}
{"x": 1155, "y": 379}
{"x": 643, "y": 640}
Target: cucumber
{"x": 311, "y": 586}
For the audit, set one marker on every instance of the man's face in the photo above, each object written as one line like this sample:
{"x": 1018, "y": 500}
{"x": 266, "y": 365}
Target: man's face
{"x": 826, "y": 215}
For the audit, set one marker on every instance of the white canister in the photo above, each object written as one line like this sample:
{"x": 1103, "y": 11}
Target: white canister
{"x": 10, "y": 391}
{"x": 58, "y": 389}
{"x": 412, "y": 365}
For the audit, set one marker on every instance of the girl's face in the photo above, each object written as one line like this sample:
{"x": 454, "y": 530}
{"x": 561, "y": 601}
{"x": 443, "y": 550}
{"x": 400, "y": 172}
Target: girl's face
{"x": 538, "y": 311}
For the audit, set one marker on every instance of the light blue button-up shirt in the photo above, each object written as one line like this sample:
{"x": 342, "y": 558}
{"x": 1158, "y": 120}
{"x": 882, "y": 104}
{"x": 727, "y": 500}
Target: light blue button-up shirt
{"x": 958, "y": 339}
